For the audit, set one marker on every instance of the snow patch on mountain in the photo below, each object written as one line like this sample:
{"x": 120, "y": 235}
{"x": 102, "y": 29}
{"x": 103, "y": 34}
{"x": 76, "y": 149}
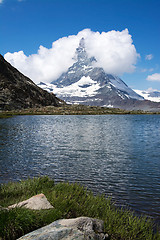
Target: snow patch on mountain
{"x": 82, "y": 88}
{"x": 152, "y": 95}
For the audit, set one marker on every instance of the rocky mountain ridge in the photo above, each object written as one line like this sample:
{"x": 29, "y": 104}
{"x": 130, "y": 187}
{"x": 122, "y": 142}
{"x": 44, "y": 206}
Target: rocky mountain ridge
{"x": 18, "y": 91}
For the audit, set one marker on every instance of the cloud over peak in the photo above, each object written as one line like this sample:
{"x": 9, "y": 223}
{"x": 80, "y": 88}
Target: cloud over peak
{"x": 113, "y": 50}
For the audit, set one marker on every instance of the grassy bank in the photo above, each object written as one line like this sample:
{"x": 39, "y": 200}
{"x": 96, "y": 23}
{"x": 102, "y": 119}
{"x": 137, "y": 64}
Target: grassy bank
{"x": 70, "y": 110}
{"x": 69, "y": 201}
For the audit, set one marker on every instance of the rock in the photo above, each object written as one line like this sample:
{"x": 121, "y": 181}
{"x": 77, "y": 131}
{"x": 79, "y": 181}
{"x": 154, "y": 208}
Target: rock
{"x": 82, "y": 228}
{"x": 36, "y": 202}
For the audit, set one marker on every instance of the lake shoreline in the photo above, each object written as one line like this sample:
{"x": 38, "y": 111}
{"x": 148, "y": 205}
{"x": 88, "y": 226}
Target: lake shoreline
{"x": 67, "y": 109}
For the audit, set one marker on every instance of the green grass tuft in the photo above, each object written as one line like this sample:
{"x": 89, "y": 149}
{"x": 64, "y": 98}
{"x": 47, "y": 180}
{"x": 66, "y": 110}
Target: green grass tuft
{"x": 15, "y": 192}
{"x": 69, "y": 201}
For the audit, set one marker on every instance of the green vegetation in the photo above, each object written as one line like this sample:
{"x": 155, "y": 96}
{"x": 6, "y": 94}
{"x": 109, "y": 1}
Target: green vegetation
{"x": 69, "y": 201}
{"x": 65, "y": 109}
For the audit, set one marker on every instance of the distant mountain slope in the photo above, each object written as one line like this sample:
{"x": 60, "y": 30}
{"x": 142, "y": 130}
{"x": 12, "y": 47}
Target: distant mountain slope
{"x": 84, "y": 83}
{"x": 152, "y": 95}
{"x": 18, "y": 91}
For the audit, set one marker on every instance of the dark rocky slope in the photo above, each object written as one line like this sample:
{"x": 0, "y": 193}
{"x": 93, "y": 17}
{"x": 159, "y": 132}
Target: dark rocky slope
{"x": 18, "y": 91}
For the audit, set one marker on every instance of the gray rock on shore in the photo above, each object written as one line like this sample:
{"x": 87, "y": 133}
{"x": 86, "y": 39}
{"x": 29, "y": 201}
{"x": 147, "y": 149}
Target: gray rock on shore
{"x": 36, "y": 202}
{"x": 82, "y": 228}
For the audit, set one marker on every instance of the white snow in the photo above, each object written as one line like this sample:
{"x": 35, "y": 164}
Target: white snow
{"x": 109, "y": 106}
{"x": 145, "y": 94}
{"x": 48, "y": 87}
{"x": 121, "y": 96}
{"x": 85, "y": 87}
{"x": 126, "y": 95}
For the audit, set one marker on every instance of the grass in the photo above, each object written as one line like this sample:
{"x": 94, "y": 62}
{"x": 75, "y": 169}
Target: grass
{"x": 69, "y": 201}
{"x": 65, "y": 109}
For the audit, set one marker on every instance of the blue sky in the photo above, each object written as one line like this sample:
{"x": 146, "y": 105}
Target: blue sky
{"x": 27, "y": 24}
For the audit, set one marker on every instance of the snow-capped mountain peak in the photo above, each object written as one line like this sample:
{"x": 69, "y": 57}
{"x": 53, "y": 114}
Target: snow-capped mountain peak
{"x": 84, "y": 67}
{"x": 86, "y": 84}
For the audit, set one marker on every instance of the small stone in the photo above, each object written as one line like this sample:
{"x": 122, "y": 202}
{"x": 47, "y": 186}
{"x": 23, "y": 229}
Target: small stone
{"x": 36, "y": 202}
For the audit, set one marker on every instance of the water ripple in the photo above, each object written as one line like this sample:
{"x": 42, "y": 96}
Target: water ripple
{"x": 115, "y": 155}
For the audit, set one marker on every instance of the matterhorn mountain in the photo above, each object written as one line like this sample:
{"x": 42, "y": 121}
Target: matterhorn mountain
{"x": 84, "y": 83}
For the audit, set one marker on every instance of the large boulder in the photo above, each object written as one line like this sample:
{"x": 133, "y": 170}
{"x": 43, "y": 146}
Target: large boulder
{"x": 82, "y": 228}
{"x": 36, "y": 202}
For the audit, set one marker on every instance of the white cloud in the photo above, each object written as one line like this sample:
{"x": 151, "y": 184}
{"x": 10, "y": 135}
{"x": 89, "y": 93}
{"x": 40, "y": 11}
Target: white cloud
{"x": 154, "y": 77}
{"x": 149, "y": 57}
{"x": 113, "y": 50}
{"x": 1, "y": 1}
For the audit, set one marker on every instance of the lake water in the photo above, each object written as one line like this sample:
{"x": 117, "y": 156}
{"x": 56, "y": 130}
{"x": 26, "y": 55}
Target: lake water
{"x": 118, "y": 155}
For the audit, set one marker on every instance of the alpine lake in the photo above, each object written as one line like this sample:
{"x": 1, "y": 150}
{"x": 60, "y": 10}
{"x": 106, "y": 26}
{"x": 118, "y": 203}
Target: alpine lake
{"x": 115, "y": 155}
